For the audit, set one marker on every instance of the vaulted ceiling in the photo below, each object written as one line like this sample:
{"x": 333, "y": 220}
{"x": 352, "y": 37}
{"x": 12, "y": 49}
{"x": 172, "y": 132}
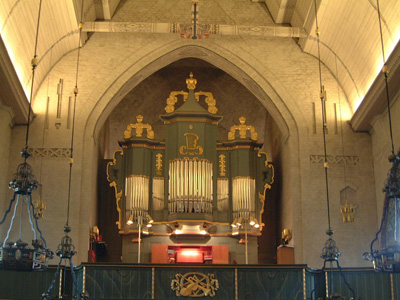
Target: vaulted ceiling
{"x": 350, "y": 32}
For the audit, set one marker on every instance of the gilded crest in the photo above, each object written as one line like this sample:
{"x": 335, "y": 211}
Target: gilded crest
{"x": 191, "y": 147}
{"x": 195, "y": 285}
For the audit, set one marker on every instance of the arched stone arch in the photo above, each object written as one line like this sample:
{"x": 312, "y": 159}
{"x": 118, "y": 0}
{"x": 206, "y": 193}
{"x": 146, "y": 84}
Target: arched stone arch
{"x": 107, "y": 95}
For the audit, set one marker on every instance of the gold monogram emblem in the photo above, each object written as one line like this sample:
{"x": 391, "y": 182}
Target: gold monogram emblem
{"x": 195, "y": 285}
{"x": 191, "y": 147}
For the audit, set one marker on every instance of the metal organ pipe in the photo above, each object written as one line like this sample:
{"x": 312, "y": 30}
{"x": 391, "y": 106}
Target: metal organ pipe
{"x": 137, "y": 194}
{"x": 243, "y": 197}
{"x": 193, "y": 179}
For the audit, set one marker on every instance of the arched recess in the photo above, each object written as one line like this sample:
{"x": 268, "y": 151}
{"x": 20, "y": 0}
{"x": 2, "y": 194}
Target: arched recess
{"x": 126, "y": 78}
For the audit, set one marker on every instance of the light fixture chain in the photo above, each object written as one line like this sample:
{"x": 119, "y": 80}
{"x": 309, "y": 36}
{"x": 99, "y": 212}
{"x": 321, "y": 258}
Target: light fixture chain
{"x": 385, "y": 70}
{"x": 74, "y": 114}
{"x": 34, "y": 65}
{"x": 341, "y": 126}
{"x": 322, "y": 96}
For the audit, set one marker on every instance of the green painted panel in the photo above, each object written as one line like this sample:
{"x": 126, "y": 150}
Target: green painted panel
{"x": 118, "y": 283}
{"x": 270, "y": 284}
{"x": 396, "y": 286}
{"x": 138, "y": 161}
{"x": 243, "y": 162}
{"x": 367, "y": 285}
{"x": 26, "y": 285}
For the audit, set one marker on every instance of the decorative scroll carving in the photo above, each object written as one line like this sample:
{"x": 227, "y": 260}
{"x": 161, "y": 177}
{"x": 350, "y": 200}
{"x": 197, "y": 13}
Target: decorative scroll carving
{"x": 172, "y": 99}
{"x": 139, "y": 126}
{"x": 222, "y": 165}
{"x": 242, "y": 128}
{"x": 50, "y": 152}
{"x": 211, "y": 102}
{"x": 191, "y": 85}
{"x": 337, "y": 159}
{"x": 191, "y": 147}
{"x": 118, "y": 194}
{"x": 267, "y": 185}
{"x": 195, "y": 285}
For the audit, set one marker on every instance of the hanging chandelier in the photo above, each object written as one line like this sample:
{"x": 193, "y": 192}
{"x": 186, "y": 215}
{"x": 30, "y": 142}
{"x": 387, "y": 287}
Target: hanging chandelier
{"x": 387, "y": 257}
{"x": 66, "y": 249}
{"x": 19, "y": 255}
{"x": 330, "y": 253}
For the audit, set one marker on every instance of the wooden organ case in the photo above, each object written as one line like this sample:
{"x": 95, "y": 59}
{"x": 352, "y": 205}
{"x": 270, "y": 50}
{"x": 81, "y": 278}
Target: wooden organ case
{"x": 190, "y": 191}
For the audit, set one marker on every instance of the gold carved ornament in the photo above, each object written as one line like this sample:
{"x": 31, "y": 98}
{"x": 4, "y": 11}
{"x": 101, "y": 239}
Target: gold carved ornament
{"x": 118, "y": 195}
{"x": 267, "y": 186}
{"x": 159, "y": 164}
{"x": 222, "y": 165}
{"x": 191, "y": 85}
{"x": 191, "y": 147}
{"x": 139, "y": 127}
{"x": 195, "y": 285}
{"x": 172, "y": 99}
{"x": 242, "y": 128}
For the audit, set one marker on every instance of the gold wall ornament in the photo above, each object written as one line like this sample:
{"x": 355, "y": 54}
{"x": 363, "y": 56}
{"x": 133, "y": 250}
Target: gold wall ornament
{"x": 348, "y": 204}
{"x": 191, "y": 147}
{"x": 242, "y": 128}
{"x": 139, "y": 127}
{"x": 348, "y": 211}
{"x": 159, "y": 164}
{"x": 191, "y": 82}
{"x": 39, "y": 208}
{"x": 172, "y": 99}
{"x": 195, "y": 285}
{"x": 211, "y": 102}
{"x": 222, "y": 165}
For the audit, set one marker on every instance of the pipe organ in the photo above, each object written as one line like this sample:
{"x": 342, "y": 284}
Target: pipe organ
{"x": 190, "y": 183}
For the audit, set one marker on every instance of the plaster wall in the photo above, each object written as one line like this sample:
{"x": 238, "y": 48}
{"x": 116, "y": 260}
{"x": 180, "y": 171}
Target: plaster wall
{"x": 275, "y": 70}
{"x": 6, "y": 116}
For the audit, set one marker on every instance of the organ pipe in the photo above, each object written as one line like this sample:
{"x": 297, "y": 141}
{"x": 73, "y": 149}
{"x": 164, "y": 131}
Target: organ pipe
{"x": 193, "y": 181}
{"x": 243, "y": 197}
{"x": 137, "y": 194}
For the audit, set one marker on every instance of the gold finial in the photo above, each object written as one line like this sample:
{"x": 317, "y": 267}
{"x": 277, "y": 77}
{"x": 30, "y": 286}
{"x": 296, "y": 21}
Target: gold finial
{"x": 191, "y": 82}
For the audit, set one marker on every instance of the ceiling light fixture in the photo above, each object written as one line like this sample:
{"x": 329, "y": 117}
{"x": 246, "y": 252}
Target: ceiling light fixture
{"x": 18, "y": 255}
{"x": 66, "y": 250}
{"x": 330, "y": 253}
{"x": 387, "y": 257}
